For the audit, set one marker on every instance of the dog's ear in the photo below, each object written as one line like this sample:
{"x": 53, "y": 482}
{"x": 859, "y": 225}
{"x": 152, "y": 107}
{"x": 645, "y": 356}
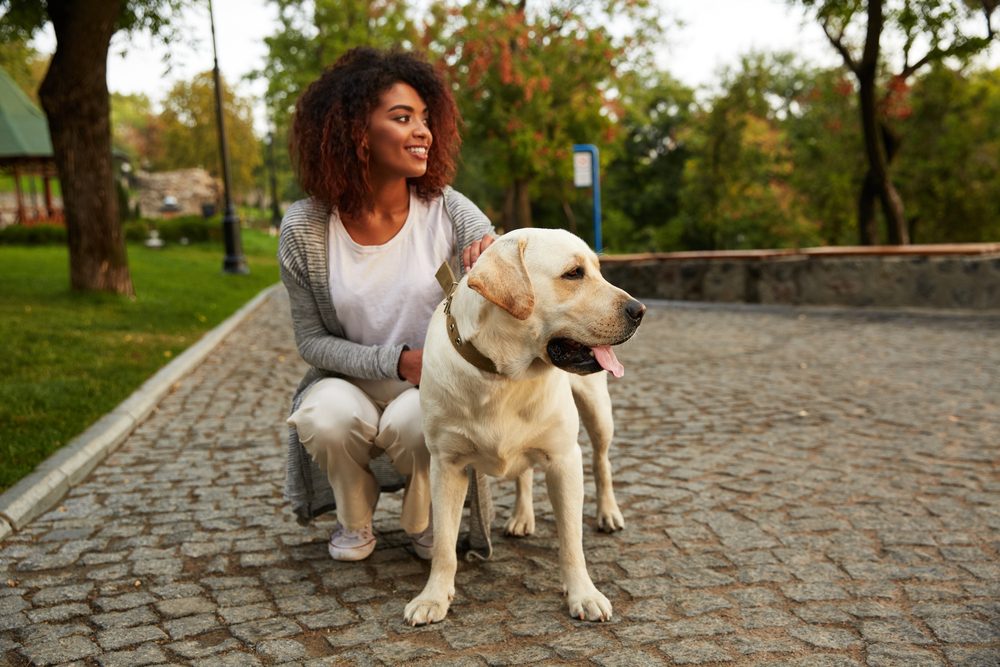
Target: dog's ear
{"x": 501, "y": 277}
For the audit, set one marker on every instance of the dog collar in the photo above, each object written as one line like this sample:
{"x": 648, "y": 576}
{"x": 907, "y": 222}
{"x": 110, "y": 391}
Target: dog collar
{"x": 466, "y": 349}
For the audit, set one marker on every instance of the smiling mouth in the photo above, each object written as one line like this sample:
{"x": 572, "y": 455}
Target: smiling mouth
{"x": 418, "y": 151}
{"x": 575, "y": 357}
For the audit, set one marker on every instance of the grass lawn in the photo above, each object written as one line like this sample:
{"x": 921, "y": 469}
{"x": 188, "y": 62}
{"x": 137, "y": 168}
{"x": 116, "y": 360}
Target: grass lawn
{"x": 69, "y": 358}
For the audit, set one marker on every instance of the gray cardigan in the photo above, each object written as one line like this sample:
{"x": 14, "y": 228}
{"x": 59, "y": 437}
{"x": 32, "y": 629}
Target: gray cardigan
{"x": 303, "y": 260}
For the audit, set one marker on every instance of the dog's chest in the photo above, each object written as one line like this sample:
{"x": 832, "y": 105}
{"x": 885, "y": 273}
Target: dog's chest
{"x": 506, "y": 462}
{"x": 506, "y": 441}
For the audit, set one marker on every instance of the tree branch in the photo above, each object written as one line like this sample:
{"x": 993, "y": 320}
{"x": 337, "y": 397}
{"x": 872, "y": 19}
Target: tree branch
{"x": 838, "y": 43}
{"x": 989, "y": 6}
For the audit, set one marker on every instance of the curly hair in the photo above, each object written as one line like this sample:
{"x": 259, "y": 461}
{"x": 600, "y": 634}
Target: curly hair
{"x": 331, "y": 121}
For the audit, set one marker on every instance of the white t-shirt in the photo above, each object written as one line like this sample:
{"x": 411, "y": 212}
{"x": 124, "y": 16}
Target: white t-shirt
{"x": 385, "y": 294}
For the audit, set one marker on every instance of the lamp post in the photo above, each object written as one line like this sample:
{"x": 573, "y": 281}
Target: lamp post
{"x": 275, "y": 207}
{"x": 234, "y": 262}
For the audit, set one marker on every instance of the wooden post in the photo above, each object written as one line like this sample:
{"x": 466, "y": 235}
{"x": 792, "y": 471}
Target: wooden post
{"x": 20, "y": 198}
{"x": 49, "y": 209}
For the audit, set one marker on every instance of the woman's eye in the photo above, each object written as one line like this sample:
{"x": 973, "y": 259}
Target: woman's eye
{"x": 574, "y": 274}
{"x": 402, "y": 119}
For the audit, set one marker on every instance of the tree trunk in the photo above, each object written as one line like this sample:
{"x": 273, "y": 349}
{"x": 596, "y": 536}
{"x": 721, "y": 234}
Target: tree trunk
{"x": 870, "y": 194}
{"x": 878, "y": 178}
{"x": 867, "y": 224}
{"x": 570, "y": 216}
{"x": 517, "y": 206}
{"x": 75, "y": 97}
{"x": 522, "y": 203}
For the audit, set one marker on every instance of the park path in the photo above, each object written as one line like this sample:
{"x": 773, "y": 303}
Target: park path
{"x": 802, "y": 487}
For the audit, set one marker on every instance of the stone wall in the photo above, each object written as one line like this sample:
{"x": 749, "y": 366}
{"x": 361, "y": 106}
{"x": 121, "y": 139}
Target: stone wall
{"x": 953, "y": 276}
{"x": 192, "y": 188}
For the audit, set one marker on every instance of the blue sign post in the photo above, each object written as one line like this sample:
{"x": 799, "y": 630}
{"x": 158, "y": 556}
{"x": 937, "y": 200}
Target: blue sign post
{"x": 586, "y": 175}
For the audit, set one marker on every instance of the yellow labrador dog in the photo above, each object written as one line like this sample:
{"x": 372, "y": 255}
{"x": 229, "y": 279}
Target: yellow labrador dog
{"x": 533, "y": 306}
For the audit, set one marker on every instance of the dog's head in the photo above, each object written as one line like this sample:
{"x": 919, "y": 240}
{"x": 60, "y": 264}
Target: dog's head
{"x": 552, "y": 302}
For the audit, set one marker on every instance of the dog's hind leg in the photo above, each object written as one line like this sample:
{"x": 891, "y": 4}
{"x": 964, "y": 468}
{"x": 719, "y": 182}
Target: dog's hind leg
{"x": 522, "y": 521}
{"x": 590, "y": 393}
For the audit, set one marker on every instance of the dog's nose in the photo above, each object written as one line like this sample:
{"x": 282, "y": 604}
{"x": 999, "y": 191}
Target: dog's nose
{"x": 635, "y": 310}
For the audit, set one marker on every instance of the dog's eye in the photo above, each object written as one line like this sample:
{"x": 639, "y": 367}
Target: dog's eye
{"x": 574, "y": 274}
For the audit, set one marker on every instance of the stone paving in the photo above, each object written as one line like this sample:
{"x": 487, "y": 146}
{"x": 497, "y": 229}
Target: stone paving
{"x": 802, "y": 487}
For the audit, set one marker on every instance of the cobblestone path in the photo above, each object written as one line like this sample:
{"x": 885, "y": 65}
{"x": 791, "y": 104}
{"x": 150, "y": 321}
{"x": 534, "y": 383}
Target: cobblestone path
{"x": 801, "y": 487}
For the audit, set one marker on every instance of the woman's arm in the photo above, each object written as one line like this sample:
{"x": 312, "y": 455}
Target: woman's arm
{"x": 473, "y": 230}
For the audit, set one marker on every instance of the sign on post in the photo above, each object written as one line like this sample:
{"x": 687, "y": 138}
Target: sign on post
{"x": 583, "y": 169}
{"x": 585, "y": 175}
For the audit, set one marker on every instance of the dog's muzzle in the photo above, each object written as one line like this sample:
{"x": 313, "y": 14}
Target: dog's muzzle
{"x": 576, "y": 357}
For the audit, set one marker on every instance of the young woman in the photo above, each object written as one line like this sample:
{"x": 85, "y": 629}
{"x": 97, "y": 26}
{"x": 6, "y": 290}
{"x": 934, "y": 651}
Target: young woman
{"x": 374, "y": 142}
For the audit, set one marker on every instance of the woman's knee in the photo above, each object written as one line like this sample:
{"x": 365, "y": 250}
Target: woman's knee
{"x": 401, "y": 432}
{"x": 334, "y": 416}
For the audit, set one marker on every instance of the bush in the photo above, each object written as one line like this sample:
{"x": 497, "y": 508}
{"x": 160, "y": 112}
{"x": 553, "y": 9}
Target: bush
{"x": 33, "y": 235}
{"x": 194, "y": 228}
{"x": 136, "y": 231}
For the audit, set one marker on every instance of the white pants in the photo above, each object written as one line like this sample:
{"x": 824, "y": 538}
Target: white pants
{"x": 344, "y": 424}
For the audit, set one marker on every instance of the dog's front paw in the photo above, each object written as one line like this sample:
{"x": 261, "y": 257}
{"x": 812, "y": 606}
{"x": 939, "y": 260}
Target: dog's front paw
{"x": 589, "y": 605}
{"x": 520, "y": 525}
{"x": 609, "y": 517}
{"x": 424, "y": 610}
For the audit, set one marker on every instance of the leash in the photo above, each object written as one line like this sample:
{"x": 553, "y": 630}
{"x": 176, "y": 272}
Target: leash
{"x": 467, "y": 350}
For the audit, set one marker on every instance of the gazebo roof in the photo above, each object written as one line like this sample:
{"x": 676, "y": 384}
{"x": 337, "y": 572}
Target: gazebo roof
{"x": 24, "y": 131}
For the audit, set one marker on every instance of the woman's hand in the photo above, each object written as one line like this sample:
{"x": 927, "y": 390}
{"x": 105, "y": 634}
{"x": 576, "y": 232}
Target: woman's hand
{"x": 410, "y": 364}
{"x": 474, "y": 250}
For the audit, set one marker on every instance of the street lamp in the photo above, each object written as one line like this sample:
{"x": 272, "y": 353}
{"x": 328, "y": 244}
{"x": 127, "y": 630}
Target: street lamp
{"x": 275, "y": 207}
{"x": 234, "y": 262}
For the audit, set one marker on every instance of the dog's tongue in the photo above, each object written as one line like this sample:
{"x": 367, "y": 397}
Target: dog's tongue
{"x": 606, "y": 358}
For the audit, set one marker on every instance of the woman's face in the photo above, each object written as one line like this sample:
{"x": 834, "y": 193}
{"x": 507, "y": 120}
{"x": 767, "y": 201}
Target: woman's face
{"x": 399, "y": 137}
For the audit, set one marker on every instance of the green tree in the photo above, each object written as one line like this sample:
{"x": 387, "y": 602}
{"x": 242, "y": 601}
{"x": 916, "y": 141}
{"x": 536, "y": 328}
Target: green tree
{"x": 531, "y": 84}
{"x": 930, "y": 31}
{"x": 136, "y": 128}
{"x": 824, "y": 138}
{"x": 951, "y": 174}
{"x": 24, "y": 64}
{"x": 74, "y": 95}
{"x": 737, "y": 188}
{"x": 313, "y": 35}
{"x": 190, "y": 133}
{"x": 643, "y": 181}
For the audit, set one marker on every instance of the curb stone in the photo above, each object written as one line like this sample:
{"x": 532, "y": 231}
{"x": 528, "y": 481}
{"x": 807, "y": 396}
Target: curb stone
{"x": 49, "y": 482}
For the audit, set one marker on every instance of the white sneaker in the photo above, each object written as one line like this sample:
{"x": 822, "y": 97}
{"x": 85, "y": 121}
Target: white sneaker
{"x": 423, "y": 543}
{"x": 350, "y": 545}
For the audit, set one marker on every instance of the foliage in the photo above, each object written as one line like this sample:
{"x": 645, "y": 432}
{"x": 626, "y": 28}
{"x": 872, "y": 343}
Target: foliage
{"x": 533, "y": 83}
{"x": 190, "y": 136}
{"x": 68, "y": 358}
{"x": 643, "y": 180}
{"x": 311, "y": 36}
{"x": 184, "y": 229}
{"x": 737, "y": 189}
{"x": 951, "y": 172}
{"x": 136, "y": 129}
{"x": 24, "y": 64}
{"x": 33, "y": 235}
{"x": 825, "y": 143}
{"x": 929, "y": 32}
